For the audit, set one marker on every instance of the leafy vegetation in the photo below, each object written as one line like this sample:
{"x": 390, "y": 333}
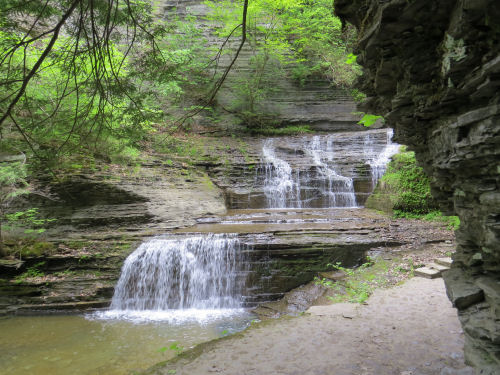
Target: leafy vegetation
{"x": 409, "y": 185}
{"x": 109, "y": 78}
{"x": 405, "y": 188}
{"x": 302, "y": 39}
{"x": 359, "y": 283}
{"x": 368, "y": 120}
{"x": 451, "y": 222}
{"x": 31, "y": 272}
{"x": 286, "y": 130}
{"x": 86, "y": 83}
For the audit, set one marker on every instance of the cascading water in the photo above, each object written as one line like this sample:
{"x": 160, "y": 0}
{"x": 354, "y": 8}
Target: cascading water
{"x": 339, "y": 189}
{"x": 285, "y": 187}
{"x": 187, "y": 277}
{"x": 282, "y": 190}
{"x": 378, "y": 163}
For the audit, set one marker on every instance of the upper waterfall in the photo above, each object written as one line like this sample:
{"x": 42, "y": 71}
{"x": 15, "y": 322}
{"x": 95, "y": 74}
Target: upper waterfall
{"x": 323, "y": 171}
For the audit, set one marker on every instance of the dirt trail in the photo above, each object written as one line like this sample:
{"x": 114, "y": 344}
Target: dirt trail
{"x": 411, "y": 329}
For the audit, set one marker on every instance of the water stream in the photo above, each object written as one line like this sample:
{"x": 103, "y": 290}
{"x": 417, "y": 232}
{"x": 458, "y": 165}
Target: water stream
{"x": 84, "y": 345}
{"x": 281, "y": 184}
{"x": 378, "y": 162}
{"x": 175, "y": 279}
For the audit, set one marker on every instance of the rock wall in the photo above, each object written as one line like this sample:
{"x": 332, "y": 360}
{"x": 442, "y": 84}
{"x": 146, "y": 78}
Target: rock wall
{"x": 350, "y": 154}
{"x": 432, "y": 68}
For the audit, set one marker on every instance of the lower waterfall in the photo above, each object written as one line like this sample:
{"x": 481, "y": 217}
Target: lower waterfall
{"x": 188, "y": 277}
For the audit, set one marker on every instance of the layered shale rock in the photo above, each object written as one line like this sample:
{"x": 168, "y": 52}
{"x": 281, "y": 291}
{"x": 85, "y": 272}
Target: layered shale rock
{"x": 314, "y": 102}
{"x": 433, "y": 70}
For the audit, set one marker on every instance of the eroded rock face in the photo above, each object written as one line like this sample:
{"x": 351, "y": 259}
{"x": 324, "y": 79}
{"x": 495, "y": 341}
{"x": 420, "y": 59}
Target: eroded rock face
{"x": 433, "y": 70}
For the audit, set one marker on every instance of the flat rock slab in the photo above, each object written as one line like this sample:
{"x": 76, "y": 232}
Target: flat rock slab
{"x": 447, "y": 261}
{"x": 333, "y": 275}
{"x": 428, "y": 272}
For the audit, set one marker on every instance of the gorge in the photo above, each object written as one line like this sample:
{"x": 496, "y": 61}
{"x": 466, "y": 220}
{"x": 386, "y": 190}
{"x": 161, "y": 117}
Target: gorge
{"x": 239, "y": 203}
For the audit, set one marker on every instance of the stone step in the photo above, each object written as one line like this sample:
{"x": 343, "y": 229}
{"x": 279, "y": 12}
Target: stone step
{"x": 439, "y": 267}
{"x": 431, "y": 271}
{"x": 446, "y": 261}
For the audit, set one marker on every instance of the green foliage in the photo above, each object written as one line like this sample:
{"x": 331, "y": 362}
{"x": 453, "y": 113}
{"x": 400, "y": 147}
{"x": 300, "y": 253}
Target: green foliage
{"x": 451, "y": 222}
{"x": 358, "y": 96}
{"x": 304, "y": 36}
{"x": 409, "y": 185}
{"x": 351, "y": 59}
{"x": 28, "y": 219}
{"x": 359, "y": 283}
{"x": 368, "y": 120}
{"x": 31, "y": 272}
{"x": 103, "y": 88}
{"x": 174, "y": 346}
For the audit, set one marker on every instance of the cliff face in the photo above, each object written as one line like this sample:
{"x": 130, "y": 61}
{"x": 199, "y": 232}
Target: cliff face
{"x": 433, "y": 70}
{"x": 315, "y": 103}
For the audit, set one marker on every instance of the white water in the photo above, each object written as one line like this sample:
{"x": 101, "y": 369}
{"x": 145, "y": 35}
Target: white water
{"x": 281, "y": 187}
{"x": 338, "y": 188}
{"x": 285, "y": 187}
{"x": 378, "y": 163}
{"x": 194, "y": 278}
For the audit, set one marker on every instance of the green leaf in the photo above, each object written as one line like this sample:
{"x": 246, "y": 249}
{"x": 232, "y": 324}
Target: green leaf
{"x": 368, "y": 120}
{"x": 351, "y": 59}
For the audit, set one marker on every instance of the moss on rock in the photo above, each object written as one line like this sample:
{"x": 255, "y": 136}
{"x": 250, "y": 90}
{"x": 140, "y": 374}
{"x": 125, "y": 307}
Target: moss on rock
{"x": 404, "y": 188}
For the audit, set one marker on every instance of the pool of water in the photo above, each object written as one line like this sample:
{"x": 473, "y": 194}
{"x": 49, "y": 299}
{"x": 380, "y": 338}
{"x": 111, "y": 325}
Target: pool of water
{"x": 102, "y": 343}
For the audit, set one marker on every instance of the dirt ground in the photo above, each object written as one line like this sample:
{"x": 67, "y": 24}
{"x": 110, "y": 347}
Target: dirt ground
{"x": 410, "y": 329}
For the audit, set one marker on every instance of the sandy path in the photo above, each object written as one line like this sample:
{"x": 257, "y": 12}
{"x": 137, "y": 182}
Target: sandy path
{"x": 407, "y": 330}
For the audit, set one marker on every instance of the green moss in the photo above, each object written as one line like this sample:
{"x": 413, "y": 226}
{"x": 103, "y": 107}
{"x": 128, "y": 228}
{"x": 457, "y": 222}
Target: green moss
{"x": 408, "y": 185}
{"x": 451, "y": 222}
{"x": 30, "y": 248}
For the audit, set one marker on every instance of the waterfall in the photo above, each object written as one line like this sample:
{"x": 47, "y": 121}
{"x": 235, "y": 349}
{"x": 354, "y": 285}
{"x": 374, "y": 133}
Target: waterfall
{"x": 282, "y": 190}
{"x": 339, "y": 189}
{"x": 286, "y": 187}
{"x": 378, "y": 164}
{"x": 201, "y": 272}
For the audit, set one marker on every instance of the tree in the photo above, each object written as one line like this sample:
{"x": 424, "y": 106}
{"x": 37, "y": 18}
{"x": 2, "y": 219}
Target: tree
{"x": 88, "y": 76}
{"x": 69, "y": 72}
{"x": 304, "y": 36}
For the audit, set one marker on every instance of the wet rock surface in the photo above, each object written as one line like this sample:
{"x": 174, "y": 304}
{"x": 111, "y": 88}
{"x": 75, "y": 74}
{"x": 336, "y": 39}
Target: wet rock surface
{"x": 101, "y": 218}
{"x": 431, "y": 68}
